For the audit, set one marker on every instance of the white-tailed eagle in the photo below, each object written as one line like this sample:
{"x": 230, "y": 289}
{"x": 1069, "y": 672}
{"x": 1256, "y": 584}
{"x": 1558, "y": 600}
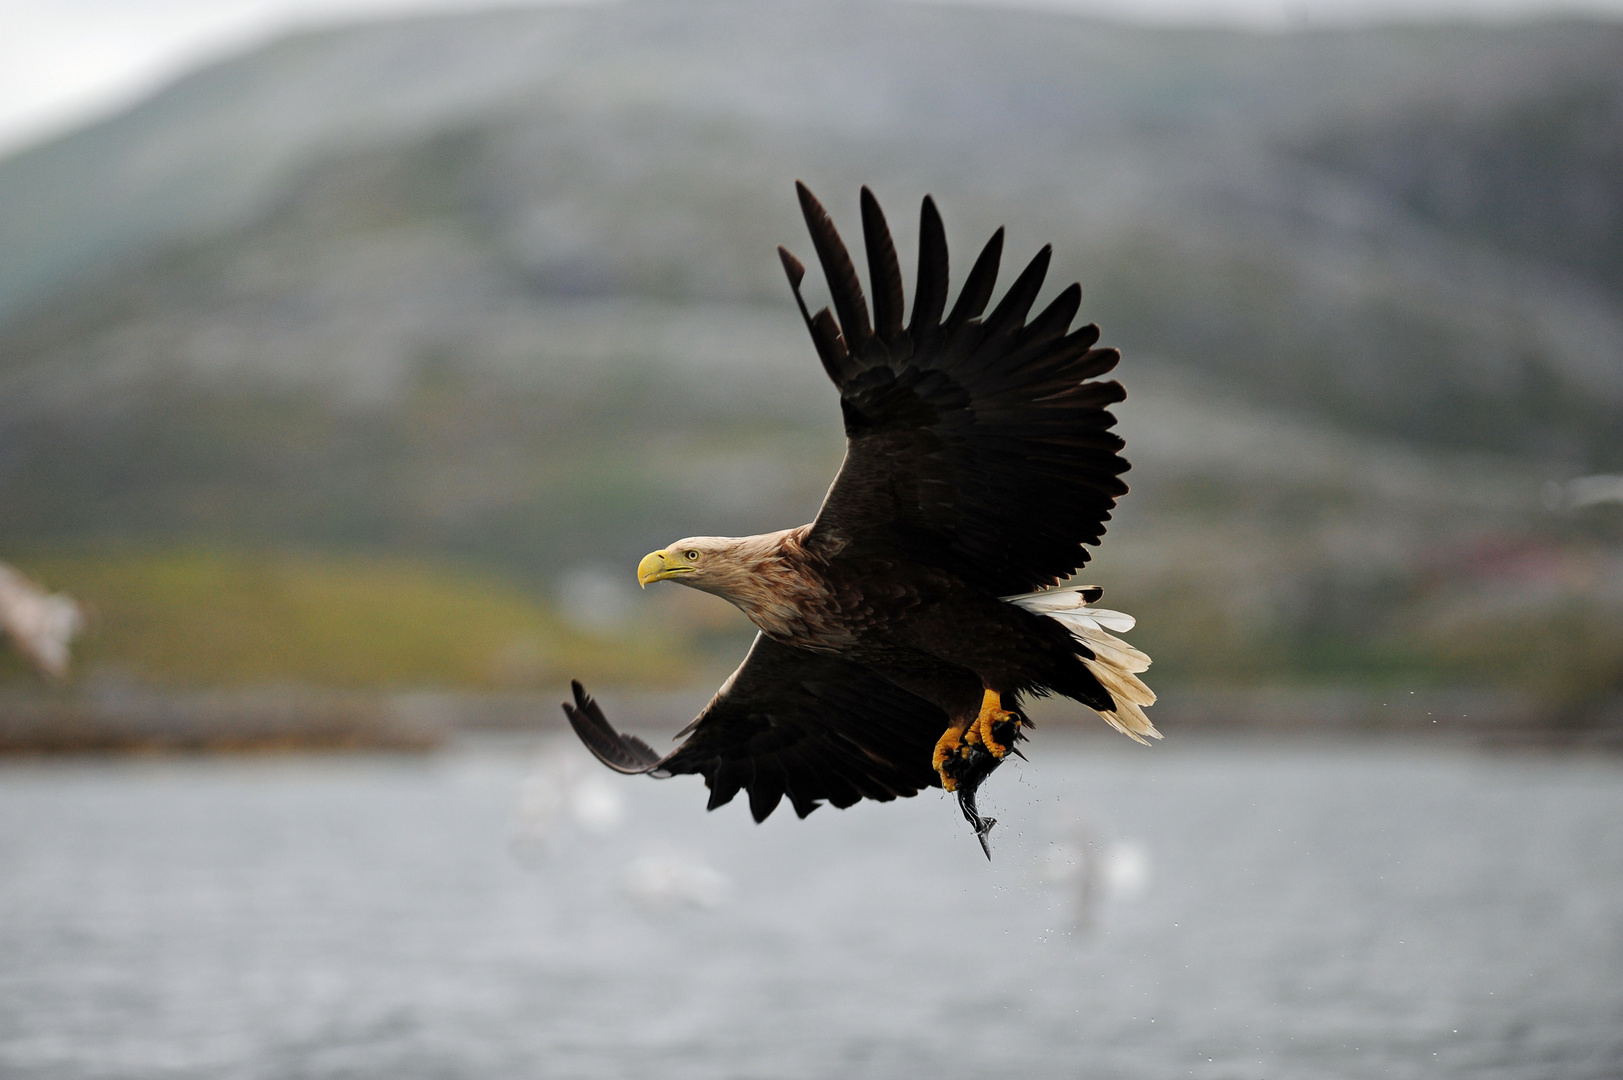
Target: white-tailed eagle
{"x": 901, "y": 629}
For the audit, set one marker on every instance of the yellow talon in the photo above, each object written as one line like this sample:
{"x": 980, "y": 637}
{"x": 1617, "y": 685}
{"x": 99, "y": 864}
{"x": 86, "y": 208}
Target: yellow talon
{"x": 947, "y": 747}
{"x": 992, "y": 712}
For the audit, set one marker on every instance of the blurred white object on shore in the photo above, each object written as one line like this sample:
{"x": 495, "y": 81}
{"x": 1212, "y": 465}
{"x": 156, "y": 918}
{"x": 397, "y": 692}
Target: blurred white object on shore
{"x": 39, "y": 624}
{"x": 1583, "y": 491}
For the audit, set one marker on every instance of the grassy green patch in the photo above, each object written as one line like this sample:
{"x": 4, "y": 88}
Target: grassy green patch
{"x": 210, "y": 618}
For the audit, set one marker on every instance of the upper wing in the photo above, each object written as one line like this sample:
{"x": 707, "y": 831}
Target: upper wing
{"x": 788, "y": 722}
{"x": 975, "y": 444}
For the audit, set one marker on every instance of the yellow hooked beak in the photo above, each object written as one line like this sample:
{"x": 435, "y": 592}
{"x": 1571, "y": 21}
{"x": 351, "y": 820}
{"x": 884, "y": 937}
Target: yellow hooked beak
{"x": 659, "y": 565}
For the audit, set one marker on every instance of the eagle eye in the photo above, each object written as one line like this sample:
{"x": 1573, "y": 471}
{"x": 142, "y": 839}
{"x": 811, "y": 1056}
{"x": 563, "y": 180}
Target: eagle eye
{"x": 691, "y": 555}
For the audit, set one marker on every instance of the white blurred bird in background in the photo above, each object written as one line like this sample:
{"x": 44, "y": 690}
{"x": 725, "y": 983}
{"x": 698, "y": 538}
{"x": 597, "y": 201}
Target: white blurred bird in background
{"x": 566, "y": 795}
{"x": 39, "y": 624}
{"x": 564, "y": 792}
{"x": 1096, "y": 871}
{"x": 674, "y": 878}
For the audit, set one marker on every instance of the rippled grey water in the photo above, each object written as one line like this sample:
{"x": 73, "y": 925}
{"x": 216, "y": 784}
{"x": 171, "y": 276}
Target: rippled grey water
{"x": 1327, "y": 911}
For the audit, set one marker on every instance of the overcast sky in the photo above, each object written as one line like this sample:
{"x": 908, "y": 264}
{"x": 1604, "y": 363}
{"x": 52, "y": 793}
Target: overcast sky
{"x": 66, "y": 61}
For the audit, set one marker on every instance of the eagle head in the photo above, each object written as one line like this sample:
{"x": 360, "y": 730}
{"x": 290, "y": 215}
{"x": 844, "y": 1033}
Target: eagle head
{"x": 714, "y": 564}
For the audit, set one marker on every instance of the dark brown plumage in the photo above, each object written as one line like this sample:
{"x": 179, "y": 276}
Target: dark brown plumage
{"x": 922, "y": 603}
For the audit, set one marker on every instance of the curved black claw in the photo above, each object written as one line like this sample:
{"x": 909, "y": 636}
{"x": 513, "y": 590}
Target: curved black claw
{"x": 973, "y": 765}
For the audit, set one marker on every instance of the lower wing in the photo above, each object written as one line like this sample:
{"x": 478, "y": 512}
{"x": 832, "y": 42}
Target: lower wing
{"x": 789, "y": 722}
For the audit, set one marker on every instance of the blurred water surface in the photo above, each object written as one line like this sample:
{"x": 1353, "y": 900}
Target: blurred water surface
{"x": 1308, "y": 911}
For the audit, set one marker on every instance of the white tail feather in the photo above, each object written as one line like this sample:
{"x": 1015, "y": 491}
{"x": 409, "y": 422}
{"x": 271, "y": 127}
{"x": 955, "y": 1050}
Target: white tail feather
{"x": 1115, "y": 663}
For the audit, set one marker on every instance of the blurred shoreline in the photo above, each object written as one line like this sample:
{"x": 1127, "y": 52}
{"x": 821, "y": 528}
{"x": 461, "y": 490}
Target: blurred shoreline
{"x": 302, "y": 719}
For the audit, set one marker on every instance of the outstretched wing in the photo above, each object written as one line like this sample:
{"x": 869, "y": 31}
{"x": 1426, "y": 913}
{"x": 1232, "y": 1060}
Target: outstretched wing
{"x": 788, "y": 722}
{"x": 975, "y": 444}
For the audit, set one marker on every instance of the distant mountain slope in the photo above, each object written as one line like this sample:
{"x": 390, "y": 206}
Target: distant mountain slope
{"x": 503, "y": 286}
{"x": 1538, "y": 174}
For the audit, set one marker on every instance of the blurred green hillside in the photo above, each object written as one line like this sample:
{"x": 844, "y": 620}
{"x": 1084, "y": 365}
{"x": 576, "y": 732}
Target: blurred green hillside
{"x": 492, "y": 300}
{"x": 246, "y": 619}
